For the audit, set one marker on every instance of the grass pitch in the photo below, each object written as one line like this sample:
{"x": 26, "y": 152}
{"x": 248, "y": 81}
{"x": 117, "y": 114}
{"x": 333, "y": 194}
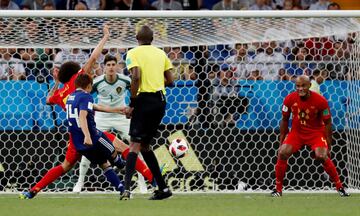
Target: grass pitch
{"x": 182, "y": 205}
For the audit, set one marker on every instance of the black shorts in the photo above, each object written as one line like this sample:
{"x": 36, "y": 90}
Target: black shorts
{"x": 148, "y": 112}
{"x": 100, "y": 152}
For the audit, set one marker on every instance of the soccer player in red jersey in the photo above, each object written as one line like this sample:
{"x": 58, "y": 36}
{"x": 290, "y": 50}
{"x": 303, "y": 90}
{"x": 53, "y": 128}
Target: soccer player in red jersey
{"x": 67, "y": 75}
{"x": 311, "y": 125}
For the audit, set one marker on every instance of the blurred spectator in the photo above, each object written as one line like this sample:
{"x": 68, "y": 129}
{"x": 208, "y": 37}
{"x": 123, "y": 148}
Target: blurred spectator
{"x": 32, "y": 32}
{"x": 226, "y": 5}
{"x": 212, "y": 71}
{"x": 10, "y": 68}
{"x": 167, "y": 5}
{"x": 208, "y": 4}
{"x": 73, "y": 54}
{"x": 319, "y": 48}
{"x": 317, "y": 78}
{"x": 338, "y": 67}
{"x": 240, "y": 62}
{"x": 25, "y": 7}
{"x": 305, "y": 4}
{"x": 283, "y": 75}
{"x": 159, "y": 27}
{"x": 8, "y": 5}
{"x": 278, "y": 4}
{"x": 260, "y": 5}
{"x": 341, "y": 51}
{"x": 288, "y": 5}
{"x": 334, "y": 6}
{"x": 297, "y": 7}
{"x": 269, "y": 62}
{"x": 121, "y": 68}
{"x": 96, "y": 4}
{"x": 76, "y": 5}
{"x": 191, "y": 75}
{"x": 55, "y": 70}
{"x": 81, "y": 5}
{"x": 181, "y": 66}
{"x": 44, "y": 63}
{"x": 320, "y": 5}
{"x": 29, "y": 57}
{"x": 118, "y": 4}
{"x": 36, "y": 4}
{"x": 49, "y": 6}
{"x": 191, "y": 4}
{"x": 141, "y": 5}
{"x": 255, "y": 75}
{"x": 226, "y": 98}
{"x": 28, "y": 54}
{"x": 301, "y": 66}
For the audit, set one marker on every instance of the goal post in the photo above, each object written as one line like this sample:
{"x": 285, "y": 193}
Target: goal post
{"x": 233, "y": 70}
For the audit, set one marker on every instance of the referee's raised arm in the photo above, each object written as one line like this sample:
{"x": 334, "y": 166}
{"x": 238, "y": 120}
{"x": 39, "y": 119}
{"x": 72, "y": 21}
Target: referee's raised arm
{"x": 150, "y": 70}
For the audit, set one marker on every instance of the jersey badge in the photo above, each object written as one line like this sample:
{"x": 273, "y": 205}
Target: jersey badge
{"x": 118, "y": 90}
{"x": 285, "y": 108}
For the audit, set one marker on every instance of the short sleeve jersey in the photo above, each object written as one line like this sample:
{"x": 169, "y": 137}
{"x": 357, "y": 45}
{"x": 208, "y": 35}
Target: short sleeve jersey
{"x": 60, "y": 95}
{"x": 152, "y": 62}
{"x": 76, "y": 102}
{"x": 307, "y": 115}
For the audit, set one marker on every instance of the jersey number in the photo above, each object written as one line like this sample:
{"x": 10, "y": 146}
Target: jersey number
{"x": 74, "y": 115}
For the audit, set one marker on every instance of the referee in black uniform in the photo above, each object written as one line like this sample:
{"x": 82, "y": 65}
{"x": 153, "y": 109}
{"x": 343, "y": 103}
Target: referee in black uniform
{"x": 150, "y": 70}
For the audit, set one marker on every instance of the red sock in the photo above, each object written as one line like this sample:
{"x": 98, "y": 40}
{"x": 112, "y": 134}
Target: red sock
{"x": 53, "y": 174}
{"x": 140, "y": 166}
{"x": 330, "y": 169}
{"x": 280, "y": 170}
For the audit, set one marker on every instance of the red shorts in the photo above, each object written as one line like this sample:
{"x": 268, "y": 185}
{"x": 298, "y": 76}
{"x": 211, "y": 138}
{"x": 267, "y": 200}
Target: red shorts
{"x": 72, "y": 156}
{"x": 110, "y": 136}
{"x": 297, "y": 141}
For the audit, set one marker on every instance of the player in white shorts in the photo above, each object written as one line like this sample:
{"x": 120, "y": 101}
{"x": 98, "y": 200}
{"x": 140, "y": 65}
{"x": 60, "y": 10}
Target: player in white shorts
{"x": 111, "y": 90}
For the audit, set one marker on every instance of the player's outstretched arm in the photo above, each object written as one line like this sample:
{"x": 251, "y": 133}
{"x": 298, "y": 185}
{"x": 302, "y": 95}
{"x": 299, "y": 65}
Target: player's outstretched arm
{"x": 284, "y": 128}
{"x": 328, "y": 132}
{"x": 102, "y": 108}
{"x": 52, "y": 91}
{"x": 97, "y": 51}
{"x": 84, "y": 127}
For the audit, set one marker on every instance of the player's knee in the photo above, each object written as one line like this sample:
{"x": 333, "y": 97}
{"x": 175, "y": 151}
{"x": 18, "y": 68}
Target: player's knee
{"x": 284, "y": 154}
{"x": 321, "y": 157}
{"x": 66, "y": 165}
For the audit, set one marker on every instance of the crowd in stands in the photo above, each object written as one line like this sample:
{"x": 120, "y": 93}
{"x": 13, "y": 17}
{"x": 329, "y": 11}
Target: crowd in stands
{"x": 271, "y": 60}
{"x": 168, "y": 5}
{"x": 218, "y": 66}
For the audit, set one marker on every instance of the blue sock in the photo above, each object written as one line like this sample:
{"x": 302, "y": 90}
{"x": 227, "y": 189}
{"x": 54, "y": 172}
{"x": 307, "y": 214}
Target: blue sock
{"x": 113, "y": 179}
{"x": 119, "y": 162}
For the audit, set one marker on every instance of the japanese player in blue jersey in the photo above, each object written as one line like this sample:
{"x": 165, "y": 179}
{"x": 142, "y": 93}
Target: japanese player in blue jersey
{"x": 87, "y": 139}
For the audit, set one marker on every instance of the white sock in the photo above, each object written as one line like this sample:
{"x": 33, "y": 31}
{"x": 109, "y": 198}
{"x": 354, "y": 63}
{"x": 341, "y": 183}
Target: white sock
{"x": 84, "y": 167}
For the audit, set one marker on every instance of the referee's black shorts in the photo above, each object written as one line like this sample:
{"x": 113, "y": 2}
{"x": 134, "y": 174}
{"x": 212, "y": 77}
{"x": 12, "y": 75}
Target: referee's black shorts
{"x": 148, "y": 112}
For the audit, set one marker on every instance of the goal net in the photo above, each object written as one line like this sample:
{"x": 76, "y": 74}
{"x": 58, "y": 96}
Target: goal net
{"x": 232, "y": 73}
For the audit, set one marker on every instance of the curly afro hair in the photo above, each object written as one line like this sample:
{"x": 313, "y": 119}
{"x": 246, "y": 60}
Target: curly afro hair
{"x": 67, "y": 70}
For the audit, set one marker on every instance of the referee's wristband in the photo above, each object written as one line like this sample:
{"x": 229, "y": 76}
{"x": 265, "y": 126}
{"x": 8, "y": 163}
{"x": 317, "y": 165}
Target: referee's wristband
{"x": 132, "y": 102}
